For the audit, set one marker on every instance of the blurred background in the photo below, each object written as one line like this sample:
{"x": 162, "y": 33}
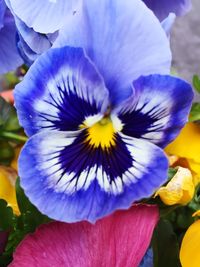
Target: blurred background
{"x": 185, "y": 42}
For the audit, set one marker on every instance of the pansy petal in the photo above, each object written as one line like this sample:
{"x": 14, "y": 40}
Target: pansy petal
{"x": 44, "y": 16}
{"x": 2, "y": 12}
{"x": 9, "y": 56}
{"x": 162, "y": 8}
{"x": 189, "y": 252}
{"x": 168, "y": 23}
{"x": 158, "y": 109}
{"x": 121, "y": 53}
{"x": 110, "y": 242}
{"x": 70, "y": 89}
{"x": 147, "y": 261}
{"x": 70, "y": 180}
{"x": 187, "y": 144}
{"x": 39, "y": 43}
{"x": 26, "y": 53}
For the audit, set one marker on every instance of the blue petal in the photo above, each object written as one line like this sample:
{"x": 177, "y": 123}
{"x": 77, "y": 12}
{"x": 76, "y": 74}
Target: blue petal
{"x": 2, "y": 12}
{"x": 124, "y": 40}
{"x": 148, "y": 259}
{"x": 44, "y": 16}
{"x": 69, "y": 180}
{"x": 39, "y": 43}
{"x": 26, "y": 53}
{"x": 158, "y": 109}
{"x": 9, "y": 56}
{"x": 162, "y": 8}
{"x": 168, "y": 23}
{"x": 31, "y": 44}
{"x": 59, "y": 91}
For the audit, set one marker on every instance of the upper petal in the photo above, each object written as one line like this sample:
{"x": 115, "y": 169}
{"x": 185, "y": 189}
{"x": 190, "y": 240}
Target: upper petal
{"x": 59, "y": 91}
{"x": 110, "y": 242}
{"x": 158, "y": 108}
{"x": 122, "y": 37}
{"x": 44, "y": 16}
{"x": 69, "y": 179}
{"x": 162, "y": 8}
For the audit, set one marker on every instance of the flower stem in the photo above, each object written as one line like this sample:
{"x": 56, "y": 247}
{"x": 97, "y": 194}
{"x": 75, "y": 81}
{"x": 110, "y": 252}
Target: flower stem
{"x": 13, "y": 136}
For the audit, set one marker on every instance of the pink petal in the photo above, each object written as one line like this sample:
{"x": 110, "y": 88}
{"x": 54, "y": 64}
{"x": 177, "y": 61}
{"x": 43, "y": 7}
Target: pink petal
{"x": 119, "y": 240}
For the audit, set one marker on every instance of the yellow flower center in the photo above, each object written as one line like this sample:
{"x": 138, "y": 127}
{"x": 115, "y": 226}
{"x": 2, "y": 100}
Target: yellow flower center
{"x": 101, "y": 131}
{"x": 102, "y": 134}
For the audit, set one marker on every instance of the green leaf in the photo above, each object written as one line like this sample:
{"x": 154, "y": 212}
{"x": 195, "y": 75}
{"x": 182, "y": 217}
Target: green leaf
{"x": 171, "y": 173}
{"x": 6, "y": 152}
{"x": 195, "y": 112}
{"x": 8, "y": 117}
{"x": 196, "y": 83}
{"x": 11, "y": 79}
{"x": 6, "y": 216}
{"x": 31, "y": 216}
{"x": 165, "y": 246}
{"x": 29, "y": 219}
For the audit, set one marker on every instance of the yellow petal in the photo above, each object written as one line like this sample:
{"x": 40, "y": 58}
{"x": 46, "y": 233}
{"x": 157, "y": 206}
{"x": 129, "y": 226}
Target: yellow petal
{"x": 197, "y": 213}
{"x": 187, "y": 144}
{"x": 15, "y": 160}
{"x": 190, "y": 248}
{"x": 180, "y": 190}
{"x": 194, "y": 166}
{"x": 8, "y": 178}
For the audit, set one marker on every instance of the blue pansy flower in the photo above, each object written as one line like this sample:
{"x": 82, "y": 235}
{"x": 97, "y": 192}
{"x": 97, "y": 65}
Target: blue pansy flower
{"x": 9, "y": 56}
{"x": 162, "y": 8}
{"x": 43, "y": 16}
{"x": 96, "y": 126}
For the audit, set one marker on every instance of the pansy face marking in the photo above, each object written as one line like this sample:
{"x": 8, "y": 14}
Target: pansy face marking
{"x": 97, "y": 130}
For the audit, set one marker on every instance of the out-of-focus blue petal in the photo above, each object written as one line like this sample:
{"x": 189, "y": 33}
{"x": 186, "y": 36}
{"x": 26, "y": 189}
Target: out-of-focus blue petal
{"x": 2, "y": 12}
{"x": 124, "y": 40}
{"x": 39, "y": 43}
{"x": 26, "y": 53}
{"x": 162, "y": 8}
{"x": 69, "y": 180}
{"x": 157, "y": 110}
{"x": 168, "y": 23}
{"x": 59, "y": 91}
{"x": 44, "y": 16}
{"x": 9, "y": 56}
{"x": 31, "y": 44}
{"x": 147, "y": 261}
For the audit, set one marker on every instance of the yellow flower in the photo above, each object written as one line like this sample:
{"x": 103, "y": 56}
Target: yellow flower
{"x": 8, "y": 178}
{"x": 186, "y": 147}
{"x": 190, "y": 247}
{"x": 180, "y": 189}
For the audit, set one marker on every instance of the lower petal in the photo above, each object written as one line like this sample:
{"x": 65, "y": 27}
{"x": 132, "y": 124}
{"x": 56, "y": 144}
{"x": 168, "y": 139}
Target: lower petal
{"x": 70, "y": 180}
